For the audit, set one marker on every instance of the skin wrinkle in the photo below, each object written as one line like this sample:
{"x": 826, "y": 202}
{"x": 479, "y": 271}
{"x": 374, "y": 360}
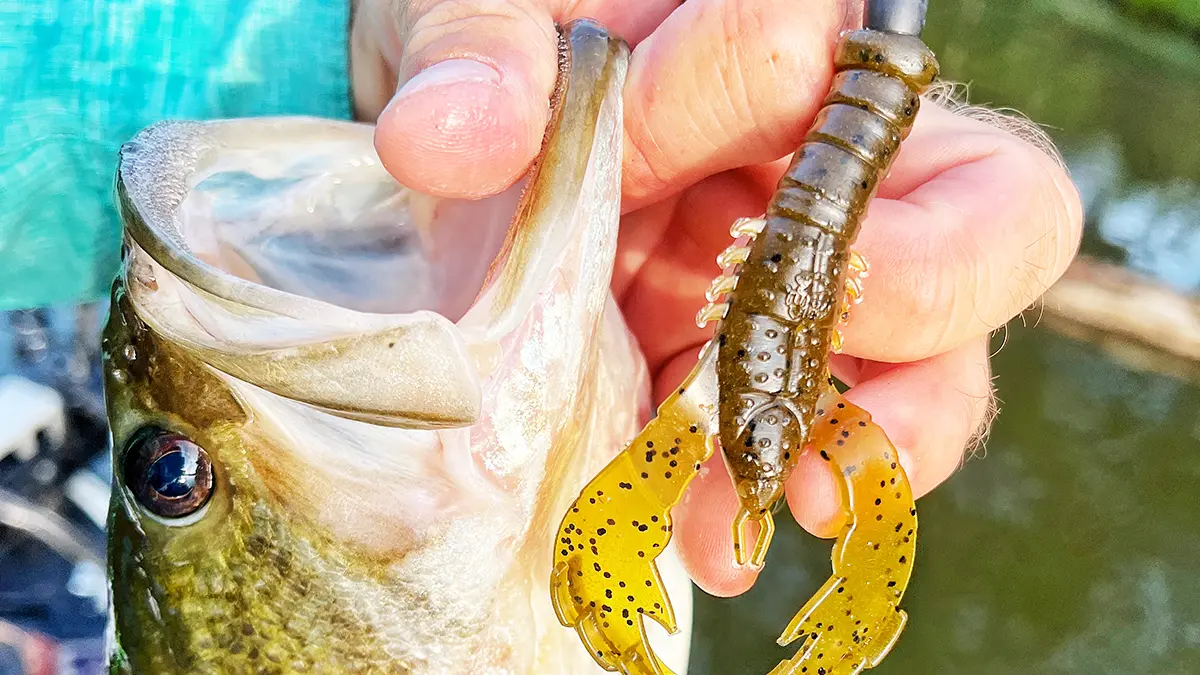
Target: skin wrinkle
{"x": 465, "y": 9}
{"x": 1039, "y": 278}
{"x": 962, "y": 299}
{"x": 804, "y": 51}
{"x": 421, "y": 37}
{"x": 657, "y": 166}
{"x": 925, "y": 154}
{"x": 772, "y": 70}
{"x": 564, "y": 8}
{"x": 704, "y": 122}
{"x": 389, "y": 43}
{"x": 980, "y": 281}
{"x": 1067, "y": 226}
{"x": 913, "y": 261}
{"x": 1045, "y": 246}
{"x": 756, "y": 19}
{"x": 850, "y": 11}
{"x": 633, "y": 147}
{"x": 400, "y": 12}
{"x": 732, "y": 77}
{"x": 708, "y": 129}
{"x": 960, "y": 264}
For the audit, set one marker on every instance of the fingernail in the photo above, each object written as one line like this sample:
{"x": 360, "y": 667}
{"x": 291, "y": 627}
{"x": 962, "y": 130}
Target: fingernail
{"x": 453, "y": 71}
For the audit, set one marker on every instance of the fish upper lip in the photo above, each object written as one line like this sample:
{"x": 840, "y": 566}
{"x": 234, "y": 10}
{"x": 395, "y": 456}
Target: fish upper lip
{"x": 418, "y": 368}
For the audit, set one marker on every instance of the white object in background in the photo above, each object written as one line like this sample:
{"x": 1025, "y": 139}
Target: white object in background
{"x": 90, "y": 582}
{"x": 90, "y": 493}
{"x": 26, "y": 410}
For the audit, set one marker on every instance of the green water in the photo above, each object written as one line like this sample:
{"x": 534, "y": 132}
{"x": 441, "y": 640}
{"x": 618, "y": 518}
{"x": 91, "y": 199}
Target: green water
{"x": 1120, "y": 98}
{"x": 1072, "y": 547}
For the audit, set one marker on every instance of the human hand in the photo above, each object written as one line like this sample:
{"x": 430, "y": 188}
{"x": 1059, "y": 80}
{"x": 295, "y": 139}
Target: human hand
{"x": 972, "y": 225}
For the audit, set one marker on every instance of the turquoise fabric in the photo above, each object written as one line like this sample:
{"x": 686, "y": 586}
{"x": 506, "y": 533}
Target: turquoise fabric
{"x": 80, "y": 77}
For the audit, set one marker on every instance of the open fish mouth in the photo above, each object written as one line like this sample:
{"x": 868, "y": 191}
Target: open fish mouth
{"x": 331, "y": 257}
{"x": 384, "y": 398}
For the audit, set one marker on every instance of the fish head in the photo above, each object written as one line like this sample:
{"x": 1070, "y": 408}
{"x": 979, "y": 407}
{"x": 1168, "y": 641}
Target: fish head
{"x": 346, "y": 416}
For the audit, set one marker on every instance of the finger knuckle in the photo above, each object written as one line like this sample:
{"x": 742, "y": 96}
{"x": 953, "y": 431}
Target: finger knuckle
{"x": 973, "y": 281}
{"x": 1047, "y": 240}
{"x": 648, "y": 170}
{"x": 438, "y": 29}
{"x": 1027, "y": 154}
{"x": 935, "y": 277}
{"x": 793, "y": 45}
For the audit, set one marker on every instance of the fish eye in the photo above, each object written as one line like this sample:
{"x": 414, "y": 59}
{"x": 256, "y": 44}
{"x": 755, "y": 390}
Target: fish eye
{"x": 169, "y": 474}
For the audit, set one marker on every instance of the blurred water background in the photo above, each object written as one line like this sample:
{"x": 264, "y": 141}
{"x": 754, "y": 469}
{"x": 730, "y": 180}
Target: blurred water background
{"x": 1070, "y": 547}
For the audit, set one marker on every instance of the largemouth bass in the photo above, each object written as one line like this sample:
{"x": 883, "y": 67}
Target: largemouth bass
{"x": 346, "y": 416}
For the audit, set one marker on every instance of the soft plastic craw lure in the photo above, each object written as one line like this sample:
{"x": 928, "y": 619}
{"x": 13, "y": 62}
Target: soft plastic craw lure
{"x": 762, "y": 389}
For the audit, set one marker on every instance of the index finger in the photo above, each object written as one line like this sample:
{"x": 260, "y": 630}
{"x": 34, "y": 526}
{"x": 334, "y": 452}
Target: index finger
{"x": 971, "y": 227}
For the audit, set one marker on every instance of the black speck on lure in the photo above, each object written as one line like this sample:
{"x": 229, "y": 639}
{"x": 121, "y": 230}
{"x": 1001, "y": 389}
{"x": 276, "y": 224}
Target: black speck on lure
{"x": 763, "y": 393}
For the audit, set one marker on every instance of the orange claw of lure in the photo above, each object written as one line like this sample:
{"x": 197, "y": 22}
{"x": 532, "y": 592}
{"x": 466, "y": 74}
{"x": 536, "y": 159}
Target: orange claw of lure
{"x": 854, "y": 620}
{"x": 761, "y": 392}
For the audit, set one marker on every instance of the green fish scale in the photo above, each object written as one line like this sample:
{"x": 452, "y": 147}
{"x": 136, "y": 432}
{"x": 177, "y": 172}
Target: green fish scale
{"x": 199, "y": 616}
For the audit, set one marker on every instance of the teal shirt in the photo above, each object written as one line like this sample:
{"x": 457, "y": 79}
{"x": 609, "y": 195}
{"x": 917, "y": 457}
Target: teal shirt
{"x": 79, "y": 77}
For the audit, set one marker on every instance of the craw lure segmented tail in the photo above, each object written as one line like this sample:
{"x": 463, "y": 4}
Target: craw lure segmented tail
{"x": 762, "y": 391}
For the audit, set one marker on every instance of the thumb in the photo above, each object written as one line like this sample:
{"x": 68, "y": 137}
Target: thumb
{"x": 476, "y": 78}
